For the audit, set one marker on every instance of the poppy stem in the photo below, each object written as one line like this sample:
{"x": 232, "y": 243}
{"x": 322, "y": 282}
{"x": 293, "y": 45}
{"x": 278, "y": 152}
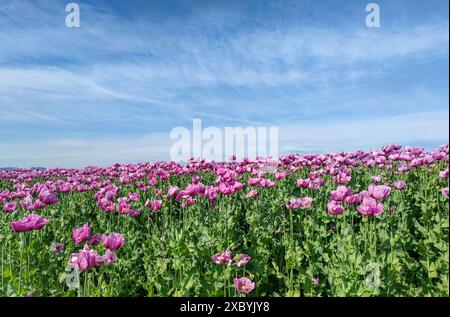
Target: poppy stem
{"x": 291, "y": 245}
{"x": 20, "y": 264}
{"x": 3, "y": 264}
{"x": 85, "y": 293}
{"x": 27, "y": 246}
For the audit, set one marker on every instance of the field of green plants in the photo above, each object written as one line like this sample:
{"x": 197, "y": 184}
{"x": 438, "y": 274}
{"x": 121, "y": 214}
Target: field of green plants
{"x": 343, "y": 224}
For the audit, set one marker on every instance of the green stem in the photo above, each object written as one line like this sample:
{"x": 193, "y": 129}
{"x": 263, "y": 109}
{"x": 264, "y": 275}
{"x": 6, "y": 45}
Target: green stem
{"x": 20, "y": 264}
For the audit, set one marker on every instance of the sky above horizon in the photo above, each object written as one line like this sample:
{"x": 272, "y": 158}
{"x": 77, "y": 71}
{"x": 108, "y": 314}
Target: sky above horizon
{"x": 113, "y": 89}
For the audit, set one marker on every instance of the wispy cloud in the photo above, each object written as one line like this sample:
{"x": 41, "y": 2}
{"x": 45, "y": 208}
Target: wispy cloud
{"x": 145, "y": 72}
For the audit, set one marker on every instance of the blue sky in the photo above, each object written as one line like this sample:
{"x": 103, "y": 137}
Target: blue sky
{"x": 113, "y": 89}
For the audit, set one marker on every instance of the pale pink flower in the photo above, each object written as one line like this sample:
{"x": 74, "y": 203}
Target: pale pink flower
{"x": 242, "y": 259}
{"x": 222, "y": 258}
{"x": 243, "y": 285}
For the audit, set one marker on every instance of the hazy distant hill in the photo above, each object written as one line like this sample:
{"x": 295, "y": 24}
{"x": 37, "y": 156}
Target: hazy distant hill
{"x": 13, "y": 168}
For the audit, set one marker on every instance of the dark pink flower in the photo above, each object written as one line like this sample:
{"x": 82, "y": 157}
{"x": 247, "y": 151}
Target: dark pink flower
{"x": 134, "y": 213}
{"x": 29, "y": 223}
{"x": 343, "y": 178}
{"x": 133, "y": 197}
{"x": 114, "y": 241}
{"x": 445, "y": 191}
{"x": 444, "y": 173}
{"x": 211, "y": 192}
{"x": 316, "y": 183}
{"x": 96, "y": 239}
{"x": 84, "y": 259}
{"x": 48, "y": 197}
{"x": 254, "y": 181}
{"x": 27, "y": 203}
{"x": 10, "y": 206}
{"x": 58, "y": 248}
{"x": 123, "y": 207}
{"x": 106, "y": 205}
{"x": 80, "y": 234}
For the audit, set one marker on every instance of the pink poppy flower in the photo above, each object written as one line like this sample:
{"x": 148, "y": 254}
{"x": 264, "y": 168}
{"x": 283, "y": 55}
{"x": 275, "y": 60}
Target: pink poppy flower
{"x": 379, "y": 192}
{"x": 376, "y": 179}
{"x": 243, "y": 285}
{"x": 335, "y": 208}
{"x": 399, "y": 185}
{"x": 294, "y": 203}
{"x": 316, "y": 183}
{"x": 29, "y": 223}
{"x": 353, "y": 199}
{"x": 222, "y": 258}
{"x": 242, "y": 259}
{"x": 104, "y": 260}
{"x": 84, "y": 259}
{"x": 306, "y": 202}
{"x": 96, "y": 239}
{"x": 341, "y": 193}
{"x": 445, "y": 191}
{"x": 114, "y": 241}
{"x": 58, "y": 248}
{"x": 48, "y": 197}
{"x": 154, "y": 205}
{"x": 444, "y": 173}
{"x": 315, "y": 281}
{"x": 80, "y": 234}
{"x": 106, "y": 205}
{"x": 370, "y": 207}
{"x": 173, "y": 191}
{"x": 10, "y": 206}
{"x": 252, "y": 194}
{"x": 302, "y": 182}
{"x": 254, "y": 181}
{"x": 123, "y": 207}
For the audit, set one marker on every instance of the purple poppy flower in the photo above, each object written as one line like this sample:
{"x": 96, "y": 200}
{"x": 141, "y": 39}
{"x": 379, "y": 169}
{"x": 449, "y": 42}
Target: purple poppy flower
{"x": 114, "y": 241}
{"x": 80, "y": 234}
{"x": 335, "y": 208}
{"x": 29, "y": 223}
{"x": 370, "y": 207}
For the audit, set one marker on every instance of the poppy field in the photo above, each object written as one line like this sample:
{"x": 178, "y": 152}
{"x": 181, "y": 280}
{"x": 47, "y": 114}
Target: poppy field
{"x": 340, "y": 224}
